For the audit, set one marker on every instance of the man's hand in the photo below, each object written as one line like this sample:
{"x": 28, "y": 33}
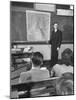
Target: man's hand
{"x": 57, "y": 48}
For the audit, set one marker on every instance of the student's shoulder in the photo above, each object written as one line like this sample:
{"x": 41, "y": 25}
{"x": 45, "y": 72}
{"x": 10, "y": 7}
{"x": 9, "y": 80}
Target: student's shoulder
{"x": 56, "y": 66}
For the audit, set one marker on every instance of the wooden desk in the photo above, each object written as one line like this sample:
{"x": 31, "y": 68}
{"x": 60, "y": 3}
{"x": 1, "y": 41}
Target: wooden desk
{"x": 15, "y": 56}
{"x": 32, "y": 88}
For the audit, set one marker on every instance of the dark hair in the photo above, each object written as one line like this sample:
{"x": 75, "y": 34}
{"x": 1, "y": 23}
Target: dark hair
{"x": 37, "y": 59}
{"x": 66, "y": 56}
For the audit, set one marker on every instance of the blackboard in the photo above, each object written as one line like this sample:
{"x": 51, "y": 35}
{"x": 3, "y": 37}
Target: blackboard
{"x": 19, "y": 32}
{"x": 66, "y": 25}
{"x": 18, "y": 26}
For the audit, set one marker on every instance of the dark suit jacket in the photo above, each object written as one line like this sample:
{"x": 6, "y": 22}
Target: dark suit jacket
{"x": 56, "y": 39}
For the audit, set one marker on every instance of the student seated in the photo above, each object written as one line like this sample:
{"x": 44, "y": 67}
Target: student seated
{"x": 64, "y": 85}
{"x": 36, "y": 73}
{"x": 66, "y": 64}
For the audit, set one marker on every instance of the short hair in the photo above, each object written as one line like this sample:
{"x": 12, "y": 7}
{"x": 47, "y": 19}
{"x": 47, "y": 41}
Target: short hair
{"x": 37, "y": 59}
{"x": 66, "y": 56}
{"x": 64, "y": 85}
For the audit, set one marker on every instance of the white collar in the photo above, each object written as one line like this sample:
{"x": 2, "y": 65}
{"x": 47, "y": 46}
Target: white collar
{"x": 35, "y": 67}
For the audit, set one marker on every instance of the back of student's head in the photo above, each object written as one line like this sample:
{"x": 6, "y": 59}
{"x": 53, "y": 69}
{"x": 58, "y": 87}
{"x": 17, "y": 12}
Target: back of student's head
{"x": 66, "y": 56}
{"x": 37, "y": 59}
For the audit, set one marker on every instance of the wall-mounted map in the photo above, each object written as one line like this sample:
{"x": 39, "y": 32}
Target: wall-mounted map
{"x": 38, "y": 25}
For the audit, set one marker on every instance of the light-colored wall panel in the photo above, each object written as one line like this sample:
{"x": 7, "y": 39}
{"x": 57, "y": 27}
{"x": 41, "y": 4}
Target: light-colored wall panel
{"x": 46, "y": 49}
{"x": 64, "y": 12}
{"x": 45, "y": 7}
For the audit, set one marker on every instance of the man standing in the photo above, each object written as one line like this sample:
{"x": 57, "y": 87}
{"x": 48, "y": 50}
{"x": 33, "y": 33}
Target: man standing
{"x": 55, "y": 41}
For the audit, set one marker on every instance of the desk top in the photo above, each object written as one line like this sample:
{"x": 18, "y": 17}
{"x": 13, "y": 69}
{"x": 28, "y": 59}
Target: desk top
{"x": 36, "y": 84}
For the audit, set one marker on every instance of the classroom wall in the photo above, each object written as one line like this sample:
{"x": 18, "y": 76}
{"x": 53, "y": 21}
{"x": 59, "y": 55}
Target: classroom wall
{"x": 19, "y": 31}
{"x": 46, "y": 49}
{"x": 18, "y": 23}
